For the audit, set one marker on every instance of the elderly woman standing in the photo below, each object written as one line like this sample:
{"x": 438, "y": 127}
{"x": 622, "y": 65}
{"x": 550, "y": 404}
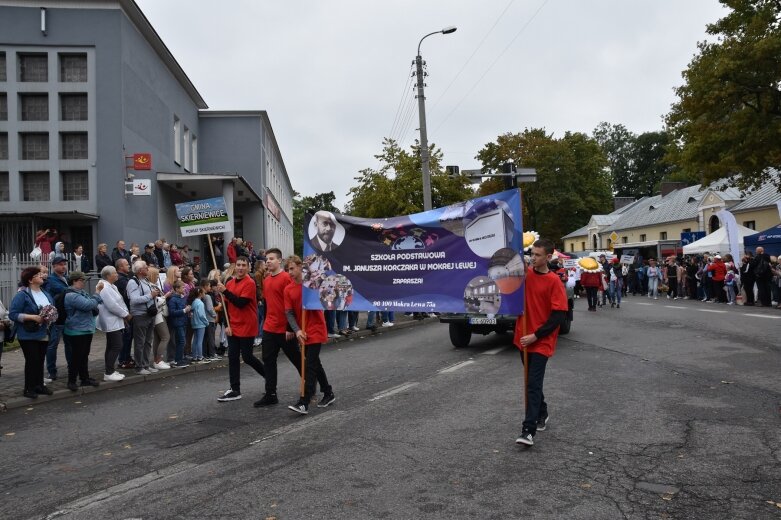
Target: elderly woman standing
{"x": 80, "y": 310}
{"x": 102, "y": 259}
{"x": 162, "y": 336}
{"x": 112, "y": 317}
{"x": 33, "y": 330}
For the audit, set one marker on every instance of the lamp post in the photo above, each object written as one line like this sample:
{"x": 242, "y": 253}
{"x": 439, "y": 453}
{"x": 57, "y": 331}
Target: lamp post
{"x": 424, "y": 156}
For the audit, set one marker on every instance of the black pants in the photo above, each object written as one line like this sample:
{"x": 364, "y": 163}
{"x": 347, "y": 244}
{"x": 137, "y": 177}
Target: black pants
{"x": 672, "y": 283}
{"x": 748, "y": 286}
{"x": 272, "y": 343}
{"x": 209, "y": 348}
{"x": 763, "y": 292}
{"x": 80, "y": 346}
{"x": 113, "y": 346}
{"x": 536, "y": 407}
{"x": 315, "y": 373}
{"x": 239, "y": 345}
{"x": 591, "y": 297}
{"x": 718, "y": 291}
{"x": 34, "y": 358}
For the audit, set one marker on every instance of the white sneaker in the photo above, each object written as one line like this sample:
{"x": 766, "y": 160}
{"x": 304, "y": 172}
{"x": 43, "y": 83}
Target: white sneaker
{"x": 356, "y": 328}
{"x": 116, "y": 376}
{"x": 333, "y": 335}
{"x": 144, "y": 372}
{"x": 387, "y": 324}
{"x": 46, "y": 380}
{"x": 162, "y": 365}
{"x": 153, "y": 370}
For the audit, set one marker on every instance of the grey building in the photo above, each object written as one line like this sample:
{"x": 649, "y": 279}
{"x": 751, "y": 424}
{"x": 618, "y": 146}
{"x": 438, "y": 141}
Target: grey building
{"x": 84, "y": 86}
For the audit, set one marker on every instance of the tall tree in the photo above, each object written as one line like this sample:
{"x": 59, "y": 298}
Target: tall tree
{"x": 396, "y": 187}
{"x": 649, "y": 164}
{"x": 618, "y": 144}
{"x": 572, "y": 178}
{"x": 727, "y": 119}
{"x": 310, "y": 204}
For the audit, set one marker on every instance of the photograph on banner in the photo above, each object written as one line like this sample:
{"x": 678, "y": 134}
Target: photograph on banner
{"x": 461, "y": 258}
{"x": 200, "y": 217}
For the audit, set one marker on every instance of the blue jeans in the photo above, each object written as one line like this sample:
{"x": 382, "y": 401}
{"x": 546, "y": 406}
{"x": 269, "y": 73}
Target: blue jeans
{"x": 352, "y": 318}
{"x": 615, "y": 291}
{"x": 330, "y": 321}
{"x": 55, "y": 332}
{"x": 261, "y": 319}
{"x": 387, "y": 316}
{"x": 653, "y": 287}
{"x": 536, "y": 407}
{"x": 341, "y": 320}
{"x": 127, "y": 343}
{"x": 198, "y": 342}
{"x": 371, "y": 318}
{"x": 180, "y": 331}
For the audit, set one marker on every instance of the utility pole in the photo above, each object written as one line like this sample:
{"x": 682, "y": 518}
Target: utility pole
{"x": 424, "y": 155}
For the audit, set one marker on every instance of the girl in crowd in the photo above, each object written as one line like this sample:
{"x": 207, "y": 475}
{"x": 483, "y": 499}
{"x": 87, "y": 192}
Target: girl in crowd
{"x": 176, "y": 258}
{"x": 26, "y": 310}
{"x": 162, "y": 335}
{"x": 172, "y": 275}
{"x": 198, "y": 323}
{"x": 188, "y": 279}
{"x": 653, "y": 274}
{"x": 177, "y": 317}
{"x": 112, "y": 317}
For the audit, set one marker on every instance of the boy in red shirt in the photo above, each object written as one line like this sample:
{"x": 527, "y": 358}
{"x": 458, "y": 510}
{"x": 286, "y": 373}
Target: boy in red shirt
{"x": 545, "y": 309}
{"x": 276, "y": 335}
{"x": 242, "y": 307}
{"x": 312, "y": 338}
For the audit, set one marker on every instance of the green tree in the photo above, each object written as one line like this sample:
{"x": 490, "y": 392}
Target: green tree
{"x": 727, "y": 119}
{"x": 572, "y": 178}
{"x": 618, "y": 145}
{"x": 649, "y": 164}
{"x": 304, "y": 205}
{"x": 396, "y": 187}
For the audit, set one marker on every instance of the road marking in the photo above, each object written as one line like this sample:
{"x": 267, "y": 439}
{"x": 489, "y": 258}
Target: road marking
{"x": 115, "y": 491}
{"x": 675, "y": 307}
{"x": 393, "y": 391}
{"x": 764, "y": 316}
{"x": 455, "y": 367}
{"x": 494, "y": 351}
{"x": 291, "y": 428}
{"x": 712, "y": 310}
{"x": 642, "y": 303}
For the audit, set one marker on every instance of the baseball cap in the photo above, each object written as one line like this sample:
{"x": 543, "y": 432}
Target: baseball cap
{"x": 717, "y": 256}
{"x": 150, "y": 245}
{"x": 76, "y": 275}
{"x": 59, "y": 259}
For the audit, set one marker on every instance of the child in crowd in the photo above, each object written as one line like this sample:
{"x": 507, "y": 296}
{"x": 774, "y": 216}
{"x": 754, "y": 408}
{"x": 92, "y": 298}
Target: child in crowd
{"x": 209, "y": 347}
{"x": 177, "y": 317}
{"x": 199, "y": 322}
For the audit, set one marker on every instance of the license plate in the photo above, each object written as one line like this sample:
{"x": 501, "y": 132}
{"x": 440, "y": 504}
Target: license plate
{"x": 482, "y": 321}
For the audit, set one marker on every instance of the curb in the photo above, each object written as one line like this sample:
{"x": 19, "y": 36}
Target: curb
{"x": 131, "y": 379}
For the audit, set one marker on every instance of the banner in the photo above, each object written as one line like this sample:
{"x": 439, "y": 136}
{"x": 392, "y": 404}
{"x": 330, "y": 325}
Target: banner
{"x": 200, "y": 217}
{"x": 462, "y": 258}
{"x": 729, "y": 222}
{"x": 628, "y": 259}
{"x": 689, "y": 237}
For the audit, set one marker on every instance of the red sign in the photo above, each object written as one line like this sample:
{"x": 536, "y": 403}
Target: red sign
{"x": 272, "y": 207}
{"x": 142, "y": 161}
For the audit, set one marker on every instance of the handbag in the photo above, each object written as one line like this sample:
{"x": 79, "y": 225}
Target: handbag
{"x": 151, "y": 308}
{"x": 36, "y": 253}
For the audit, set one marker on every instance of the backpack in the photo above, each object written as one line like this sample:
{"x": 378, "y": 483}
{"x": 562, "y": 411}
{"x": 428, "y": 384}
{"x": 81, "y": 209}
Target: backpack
{"x": 762, "y": 268}
{"x": 59, "y": 304}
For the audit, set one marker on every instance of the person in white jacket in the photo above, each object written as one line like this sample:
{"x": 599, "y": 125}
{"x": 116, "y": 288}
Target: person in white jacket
{"x": 112, "y": 316}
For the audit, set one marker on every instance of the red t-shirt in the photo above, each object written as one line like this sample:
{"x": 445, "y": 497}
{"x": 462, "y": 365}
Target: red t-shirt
{"x": 315, "y": 329}
{"x": 244, "y": 320}
{"x": 544, "y": 293}
{"x": 274, "y": 293}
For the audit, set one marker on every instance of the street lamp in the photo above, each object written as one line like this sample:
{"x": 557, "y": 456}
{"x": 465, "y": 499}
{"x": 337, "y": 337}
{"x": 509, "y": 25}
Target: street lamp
{"x": 424, "y": 156}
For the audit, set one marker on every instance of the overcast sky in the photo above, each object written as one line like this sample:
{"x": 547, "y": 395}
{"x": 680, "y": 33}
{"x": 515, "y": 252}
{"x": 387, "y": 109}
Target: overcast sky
{"x": 332, "y": 74}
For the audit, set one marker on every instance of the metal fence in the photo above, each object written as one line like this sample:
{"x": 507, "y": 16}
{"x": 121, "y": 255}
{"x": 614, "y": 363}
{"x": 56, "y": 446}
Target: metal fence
{"x": 11, "y": 266}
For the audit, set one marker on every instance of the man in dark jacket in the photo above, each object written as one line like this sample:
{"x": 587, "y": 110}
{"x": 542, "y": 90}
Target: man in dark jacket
{"x": 747, "y": 278}
{"x": 149, "y": 256}
{"x": 120, "y": 252}
{"x": 56, "y": 283}
{"x": 763, "y": 275}
{"x": 123, "y": 270}
{"x": 159, "y": 253}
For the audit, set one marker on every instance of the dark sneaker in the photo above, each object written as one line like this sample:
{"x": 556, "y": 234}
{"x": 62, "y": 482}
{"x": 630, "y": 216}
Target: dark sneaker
{"x": 30, "y": 393}
{"x": 229, "y": 395}
{"x": 300, "y": 407}
{"x": 525, "y": 438}
{"x": 72, "y": 386}
{"x": 90, "y": 382}
{"x": 327, "y": 400}
{"x": 266, "y": 400}
{"x": 542, "y": 423}
{"x": 43, "y": 390}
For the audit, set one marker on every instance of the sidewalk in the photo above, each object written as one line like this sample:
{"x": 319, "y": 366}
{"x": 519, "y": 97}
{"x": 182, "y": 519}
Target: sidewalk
{"x": 12, "y": 378}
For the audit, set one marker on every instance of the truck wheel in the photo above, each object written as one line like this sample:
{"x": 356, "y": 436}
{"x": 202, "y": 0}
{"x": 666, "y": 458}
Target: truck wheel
{"x": 564, "y": 328}
{"x": 460, "y": 335}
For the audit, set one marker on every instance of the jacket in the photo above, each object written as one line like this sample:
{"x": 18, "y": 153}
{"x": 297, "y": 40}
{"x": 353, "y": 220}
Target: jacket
{"x": 102, "y": 261}
{"x": 719, "y": 270}
{"x": 591, "y": 279}
{"x": 176, "y": 315}
{"x": 116, "y": 254}
{"x": 55, "y": 285}
{"x": 198, "y": 320}
{"x": 78, "y": 307}
{"x": 139, "y": 293}
{"x": 208, "y": 304}
{"x": 23, "y": 303}
{"x": 112, "y": 309}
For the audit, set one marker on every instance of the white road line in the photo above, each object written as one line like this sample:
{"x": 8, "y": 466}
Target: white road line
{"x": 764, "y": 316}
{"x": 675, "y": 307}
{"x": 494, "y": 351}
{"x": 642, "y": 303}
{"x": 290, "y": 428}
{"x": 711, "y": 310}
{"x": 393, "y": 391}
{"x": 455, "y": 367}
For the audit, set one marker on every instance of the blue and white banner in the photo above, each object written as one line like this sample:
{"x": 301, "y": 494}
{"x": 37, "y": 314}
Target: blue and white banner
{"x": 462, "y": 258}
{"x": 689, "y": 237}
{"x": 200, "y": 217}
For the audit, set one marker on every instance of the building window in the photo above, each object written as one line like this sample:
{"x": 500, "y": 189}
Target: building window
{"x": 75, "y": 185}
{"x": 177, "y": 141}
{"x": 624, "y": 240}
{"x": 34, "y": 107}
{"x": 35, "y": 186}
{"x": 33, "y": 67}
{"x": 5, "y": 192}
{"x": 195, "y": 154}
{"x": 3, "y": 106}
{"x": 582, "y": 246}
{"x": 34, "y": 146}
{"x": 663, "y": 235}
{"x": 73, "y": 68}
{"x": 751, "y": 224}
{"x": 572, "y": 247}
{"x": 73, "y": 145}
{"x": 3, "y": 146}
{"x": 686, "y": 230}
{"x": 73, "y": 107}
{"x": 186, "y": 149}
{"x": 642, "y": 238}
{"x": 3, "y": 76}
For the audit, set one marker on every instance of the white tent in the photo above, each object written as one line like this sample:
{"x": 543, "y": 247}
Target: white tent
{"x": 717, "y": 242}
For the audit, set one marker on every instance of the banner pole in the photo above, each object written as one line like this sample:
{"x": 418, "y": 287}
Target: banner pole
{"x": 211, "y": 248}
{"x": 523, "y": 321}
{"x": 302, "y": 346}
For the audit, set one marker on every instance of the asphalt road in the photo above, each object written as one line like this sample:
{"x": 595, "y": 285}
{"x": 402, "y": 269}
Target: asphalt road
{"x": 658, "y": 410}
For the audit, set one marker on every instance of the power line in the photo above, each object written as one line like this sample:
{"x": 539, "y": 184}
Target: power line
{"x": 523, "y": 28}
{"x": 401, "y": 101}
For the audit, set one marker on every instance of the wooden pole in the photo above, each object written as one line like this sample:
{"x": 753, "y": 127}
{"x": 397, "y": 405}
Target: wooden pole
{"x": 211, "y": 248}
{"x": 302, "y": 345}
{"x": 525, "y": 356}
